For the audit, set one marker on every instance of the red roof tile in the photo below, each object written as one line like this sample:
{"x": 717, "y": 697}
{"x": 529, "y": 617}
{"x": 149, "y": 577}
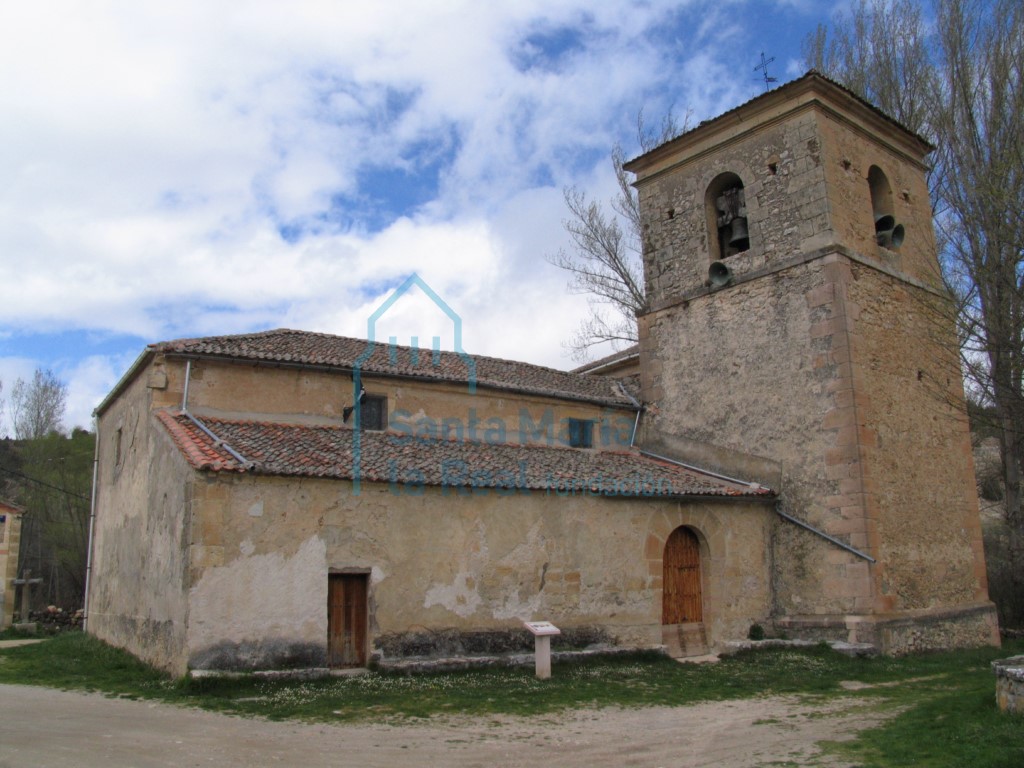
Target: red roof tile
{"x": 408, "y": 462}
{"x": 615, "y": 358}
{"x": 284, "y": 346}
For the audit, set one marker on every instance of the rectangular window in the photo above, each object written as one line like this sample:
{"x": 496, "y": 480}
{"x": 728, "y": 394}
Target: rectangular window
{"x": 373, "y": 413}
{"x": 581, "y": 433}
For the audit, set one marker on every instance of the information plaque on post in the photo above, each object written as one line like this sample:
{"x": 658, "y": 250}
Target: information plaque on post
{"x": 542, "y": 632}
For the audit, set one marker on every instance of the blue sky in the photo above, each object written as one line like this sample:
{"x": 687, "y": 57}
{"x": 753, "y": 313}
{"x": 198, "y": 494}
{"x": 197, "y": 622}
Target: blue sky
{"x": 200, "y": 168}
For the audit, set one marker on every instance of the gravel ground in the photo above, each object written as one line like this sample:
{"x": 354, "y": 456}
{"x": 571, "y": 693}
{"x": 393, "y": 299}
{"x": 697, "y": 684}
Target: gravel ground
{"x": 45, "y": 727}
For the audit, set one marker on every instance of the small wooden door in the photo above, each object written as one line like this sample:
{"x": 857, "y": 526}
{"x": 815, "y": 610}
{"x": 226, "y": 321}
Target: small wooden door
{"x": 681, "y": 598}
{"x": 346, "y": 619}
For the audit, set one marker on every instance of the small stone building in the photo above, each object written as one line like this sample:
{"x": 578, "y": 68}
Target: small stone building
{"x": 10, "y": 539}
{"x": 786, "y": 446}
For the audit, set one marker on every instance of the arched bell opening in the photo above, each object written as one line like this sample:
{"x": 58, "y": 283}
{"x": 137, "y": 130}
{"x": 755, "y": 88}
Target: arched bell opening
{"x": 888, "y": 233}
{"x": 726, "y": 206}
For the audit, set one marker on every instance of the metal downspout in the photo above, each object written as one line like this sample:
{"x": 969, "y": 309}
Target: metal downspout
{"x": 812, "y": 529}
{"x": 220, "y": 443}
{"x": 184, "y": 393}
{"x": 92, "y": 522}
{"x": 639, "y": 410}
{"x": 703, "y": 471}
{"x": 216, "y": 440}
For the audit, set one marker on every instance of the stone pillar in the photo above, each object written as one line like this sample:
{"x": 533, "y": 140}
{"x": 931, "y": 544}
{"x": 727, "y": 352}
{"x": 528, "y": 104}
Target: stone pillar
{"x": 1010, "y": 684}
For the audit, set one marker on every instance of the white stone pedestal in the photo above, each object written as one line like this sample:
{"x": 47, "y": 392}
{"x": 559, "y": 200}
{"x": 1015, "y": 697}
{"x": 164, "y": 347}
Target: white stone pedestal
{"x": 542, "y": 633}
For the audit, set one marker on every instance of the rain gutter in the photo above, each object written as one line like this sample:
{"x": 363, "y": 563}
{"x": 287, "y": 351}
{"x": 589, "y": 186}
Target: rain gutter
{"x": 205, "y": 429}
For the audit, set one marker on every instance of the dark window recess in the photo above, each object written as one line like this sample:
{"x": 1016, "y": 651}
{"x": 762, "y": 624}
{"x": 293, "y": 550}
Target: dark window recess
{"x": 373, "y": 412}
{"x": 581, "y": 433}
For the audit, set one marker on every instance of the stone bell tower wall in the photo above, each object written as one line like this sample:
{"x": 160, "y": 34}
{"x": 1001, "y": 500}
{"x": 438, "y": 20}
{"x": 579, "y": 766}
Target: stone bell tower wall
{"x": 823, "y": 351}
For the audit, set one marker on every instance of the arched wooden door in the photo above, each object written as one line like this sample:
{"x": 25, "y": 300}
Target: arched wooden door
{"x": 681, "y": 600}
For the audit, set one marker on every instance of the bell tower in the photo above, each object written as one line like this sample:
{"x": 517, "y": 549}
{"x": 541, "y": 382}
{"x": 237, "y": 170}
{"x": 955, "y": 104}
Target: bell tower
{"x": 798, "y": 333}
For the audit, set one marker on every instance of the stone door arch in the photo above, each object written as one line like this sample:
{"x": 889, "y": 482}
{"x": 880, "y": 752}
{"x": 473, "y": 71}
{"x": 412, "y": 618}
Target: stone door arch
{"x": 682, "y": 600}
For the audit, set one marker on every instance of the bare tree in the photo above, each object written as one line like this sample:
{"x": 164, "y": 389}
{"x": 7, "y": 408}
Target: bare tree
{"x": 3, "y": 432}
{"x": 37, "y": 407}
{"x": 881, "y": 51}
{"x": 605, "y": 262}
{"x": 54, "y": 479}
{"x": 957, "y": 80}
{"x": 980, "y": 125}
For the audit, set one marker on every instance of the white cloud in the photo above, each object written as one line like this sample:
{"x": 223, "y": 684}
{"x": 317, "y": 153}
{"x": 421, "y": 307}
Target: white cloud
{"x": 152, "y": 154}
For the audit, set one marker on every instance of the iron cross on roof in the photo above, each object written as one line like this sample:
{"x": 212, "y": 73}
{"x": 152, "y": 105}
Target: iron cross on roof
{"x": 764, "y": 66}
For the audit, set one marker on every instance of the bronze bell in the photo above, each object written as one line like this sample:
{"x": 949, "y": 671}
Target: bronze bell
{"x": 739, "y": 238}
{"x": 888, "y": 233}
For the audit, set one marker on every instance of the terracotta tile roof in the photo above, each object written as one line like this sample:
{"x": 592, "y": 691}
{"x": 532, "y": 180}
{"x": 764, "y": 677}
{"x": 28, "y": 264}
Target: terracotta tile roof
{"x": 809, "y": 76}
{"x": 200, "y": 451}
{"x": 284, "y": 346}
{"x": 614, "y": 358}
{"x": 298, "y": 450}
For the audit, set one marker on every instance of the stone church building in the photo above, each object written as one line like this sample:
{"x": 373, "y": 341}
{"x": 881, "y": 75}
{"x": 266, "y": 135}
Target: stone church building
{"x": 786, "y": 446}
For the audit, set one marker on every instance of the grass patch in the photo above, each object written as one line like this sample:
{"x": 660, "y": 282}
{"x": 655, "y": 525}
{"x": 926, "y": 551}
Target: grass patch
{"x": 946, "y": 701}
{"x": 948, "y": 718}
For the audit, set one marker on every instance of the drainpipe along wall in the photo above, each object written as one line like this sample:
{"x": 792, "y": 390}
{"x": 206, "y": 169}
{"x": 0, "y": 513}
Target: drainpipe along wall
{"x": 92, "y": 522}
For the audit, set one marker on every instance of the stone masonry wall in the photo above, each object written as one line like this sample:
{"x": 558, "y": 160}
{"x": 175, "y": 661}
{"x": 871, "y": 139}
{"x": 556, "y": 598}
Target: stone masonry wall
{"x": 780, "y": 168}
{"x": 847, "y": 158}
{"x": 1010, "y": 684}
{"x": 824, "y": 352}
{"x": 10, "y": 541}
{"x": 759, "y": 368}
{"x": 918, "y": 472}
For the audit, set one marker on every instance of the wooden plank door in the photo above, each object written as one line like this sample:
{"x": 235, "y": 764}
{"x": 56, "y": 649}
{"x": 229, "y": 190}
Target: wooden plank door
{"x": 346, "y": 619}
{"x": 681, "y": 597}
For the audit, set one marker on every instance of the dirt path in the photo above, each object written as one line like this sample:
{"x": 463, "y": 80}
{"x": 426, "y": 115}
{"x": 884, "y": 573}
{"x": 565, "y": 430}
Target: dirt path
{"x": 43, "y": 727}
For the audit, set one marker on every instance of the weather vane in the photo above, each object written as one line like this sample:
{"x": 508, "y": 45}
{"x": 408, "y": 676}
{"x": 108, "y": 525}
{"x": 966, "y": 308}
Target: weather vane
{"x": 764, "y": 66}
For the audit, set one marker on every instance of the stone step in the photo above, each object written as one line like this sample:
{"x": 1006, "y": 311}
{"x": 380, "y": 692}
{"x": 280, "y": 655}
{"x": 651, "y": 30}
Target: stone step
{"x": 682, "y": 640}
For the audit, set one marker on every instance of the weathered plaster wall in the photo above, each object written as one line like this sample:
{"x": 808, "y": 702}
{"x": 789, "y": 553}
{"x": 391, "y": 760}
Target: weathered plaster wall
{"x": 423, "y": 409}
{"x": 450, "y": 561}
{"x": 138, "y": 588}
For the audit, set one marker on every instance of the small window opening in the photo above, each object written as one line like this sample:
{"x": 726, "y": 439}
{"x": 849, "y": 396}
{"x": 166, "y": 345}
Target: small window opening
{"x": 726, "y": 204}
{"x": 373, "y": 413}
{"x": 581, "y": 433}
